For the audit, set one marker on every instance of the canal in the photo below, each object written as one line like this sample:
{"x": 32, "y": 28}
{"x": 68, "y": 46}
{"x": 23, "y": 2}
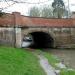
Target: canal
{"x": 67, "y": 55}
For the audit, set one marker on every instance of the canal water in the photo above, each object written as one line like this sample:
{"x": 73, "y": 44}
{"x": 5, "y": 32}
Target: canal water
{"x": 66, "y": 55}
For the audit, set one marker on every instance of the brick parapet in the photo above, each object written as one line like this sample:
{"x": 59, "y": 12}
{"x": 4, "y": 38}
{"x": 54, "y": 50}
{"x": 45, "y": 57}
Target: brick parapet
{"x": 16, "y": 19}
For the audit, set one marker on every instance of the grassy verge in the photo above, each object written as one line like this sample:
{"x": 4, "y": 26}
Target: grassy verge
{"x": 53, "y": 60}
{"x": 15, "y": 61}
{"x": 67, "y": 72}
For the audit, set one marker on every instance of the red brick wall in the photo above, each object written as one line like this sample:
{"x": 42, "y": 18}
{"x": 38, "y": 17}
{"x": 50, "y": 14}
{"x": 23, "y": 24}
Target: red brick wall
{"x": 6, "y": 20}
{"x": 16, "y": 19}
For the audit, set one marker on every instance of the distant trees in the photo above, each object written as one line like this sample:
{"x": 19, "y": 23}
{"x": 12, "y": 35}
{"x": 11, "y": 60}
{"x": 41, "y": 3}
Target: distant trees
{"x": 47, "y": 12}
{"x": 34, "y": 12}
{"x": 1, "y": 13}
{"x": 41, "y": 12}
{"x": 58, "y": 8}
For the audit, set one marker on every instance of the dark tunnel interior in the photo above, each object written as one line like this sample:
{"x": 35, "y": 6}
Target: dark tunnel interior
{"x": 42, "y": 40}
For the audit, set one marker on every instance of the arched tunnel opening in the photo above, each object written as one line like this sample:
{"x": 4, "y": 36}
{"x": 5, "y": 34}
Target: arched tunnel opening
{"x": 41, "y": 40}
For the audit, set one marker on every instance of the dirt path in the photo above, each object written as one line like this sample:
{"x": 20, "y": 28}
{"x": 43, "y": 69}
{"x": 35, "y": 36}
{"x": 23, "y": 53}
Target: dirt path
{"x": 68, "y": 56}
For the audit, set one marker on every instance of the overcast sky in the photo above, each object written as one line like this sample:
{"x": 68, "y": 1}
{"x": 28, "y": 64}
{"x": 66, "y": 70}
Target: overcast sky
{"x": 24, "y": 7}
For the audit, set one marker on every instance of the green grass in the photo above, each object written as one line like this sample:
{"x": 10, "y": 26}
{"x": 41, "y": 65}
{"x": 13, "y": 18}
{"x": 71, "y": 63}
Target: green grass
{"x": 14, "y": 61}
{"x": 53, "y": 60}
{"x": 67, "y": 72}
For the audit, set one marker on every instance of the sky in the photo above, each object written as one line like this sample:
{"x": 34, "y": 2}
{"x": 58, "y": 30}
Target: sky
{"x": 23, "y": 8}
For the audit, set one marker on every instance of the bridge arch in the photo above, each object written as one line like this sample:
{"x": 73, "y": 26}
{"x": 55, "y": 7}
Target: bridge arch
{"x": 41, "y": 39}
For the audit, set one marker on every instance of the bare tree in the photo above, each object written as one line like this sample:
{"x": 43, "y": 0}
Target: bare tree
{"x": 38, "y": 12}
{"x": 34, "y": 12}
{"x": 46, "y": 12}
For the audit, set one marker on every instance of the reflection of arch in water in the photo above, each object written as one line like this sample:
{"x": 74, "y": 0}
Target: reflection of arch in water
{"x": 42, "y": 40}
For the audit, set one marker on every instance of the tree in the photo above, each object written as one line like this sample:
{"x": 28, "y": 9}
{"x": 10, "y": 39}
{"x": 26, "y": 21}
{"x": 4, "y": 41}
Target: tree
{"x": 59, "y": 8}
{"x": 34, "y": 12}
{"x": 41, "y": 12}
{"x": 1, "y": 13}
{"x": 66, "y": 13}
{"x": 46, "y": 12}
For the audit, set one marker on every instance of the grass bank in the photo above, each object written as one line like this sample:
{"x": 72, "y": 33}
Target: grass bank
{"x": 14, "y": 61}
{"x": 53, "y": 60}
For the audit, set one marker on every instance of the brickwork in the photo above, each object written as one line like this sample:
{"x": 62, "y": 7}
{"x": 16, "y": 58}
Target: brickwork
{"x": 54, "y": 27}
{"x": 16, "y": 19}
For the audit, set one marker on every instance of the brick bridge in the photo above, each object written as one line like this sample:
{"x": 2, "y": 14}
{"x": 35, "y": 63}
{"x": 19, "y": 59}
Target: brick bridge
{"x": 62, "y": 31}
